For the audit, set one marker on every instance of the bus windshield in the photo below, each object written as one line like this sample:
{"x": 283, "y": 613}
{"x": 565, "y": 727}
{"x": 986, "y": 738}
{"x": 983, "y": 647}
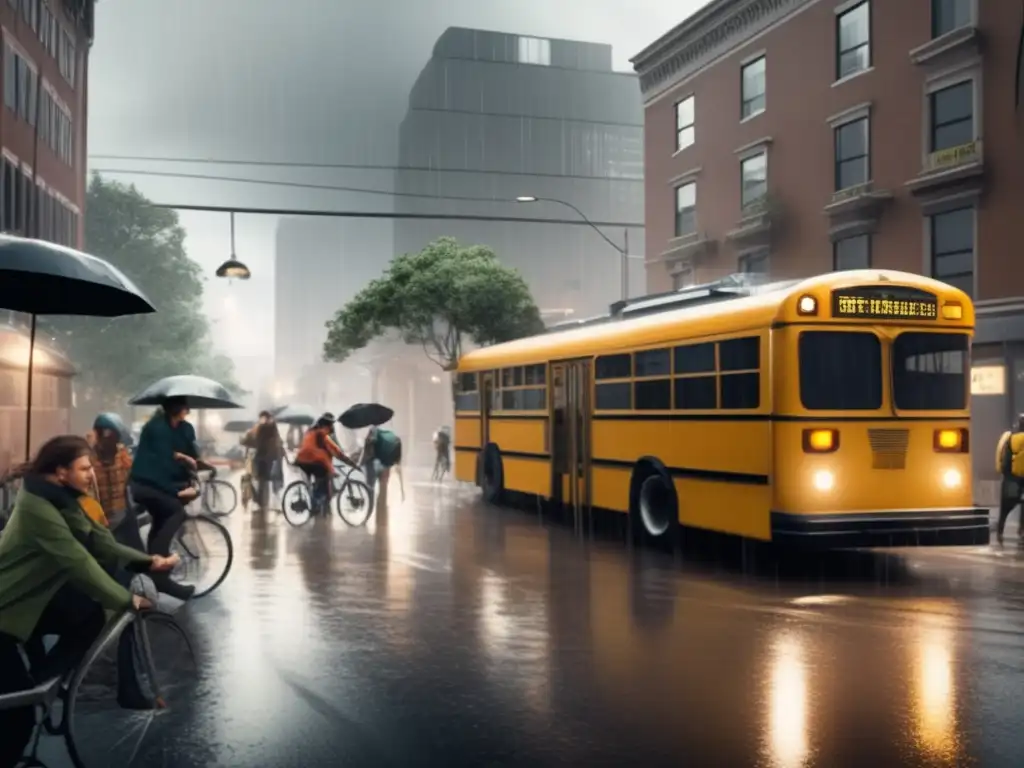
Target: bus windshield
{"x": 929, "y": 371}
{"x": 840, "y": 371}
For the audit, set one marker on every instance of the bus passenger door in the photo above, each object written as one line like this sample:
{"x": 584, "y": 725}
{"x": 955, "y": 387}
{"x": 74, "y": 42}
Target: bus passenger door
{"x": 486, "y": 393}
{"x": 570, "y": 437}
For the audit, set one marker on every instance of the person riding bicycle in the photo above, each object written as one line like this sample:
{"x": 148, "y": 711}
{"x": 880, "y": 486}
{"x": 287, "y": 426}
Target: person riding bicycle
{"x": 57, "y": 577}
{"x": 160, "y": 481}
{"x": 317, "y": 453}
{"x": 442, "y": 452}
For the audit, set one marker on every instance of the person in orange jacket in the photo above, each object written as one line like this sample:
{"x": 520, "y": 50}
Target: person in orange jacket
{"x": 317, "y": 453}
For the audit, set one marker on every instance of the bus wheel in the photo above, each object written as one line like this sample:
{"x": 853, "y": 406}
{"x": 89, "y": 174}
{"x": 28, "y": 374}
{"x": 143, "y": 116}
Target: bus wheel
{"x": 492, "y": 474}
{"x": 654, "y": 508}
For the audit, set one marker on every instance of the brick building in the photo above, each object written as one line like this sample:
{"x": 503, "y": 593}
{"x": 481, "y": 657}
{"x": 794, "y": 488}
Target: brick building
{"x": 794, "y": 137}
{"x": 43, "y": 120}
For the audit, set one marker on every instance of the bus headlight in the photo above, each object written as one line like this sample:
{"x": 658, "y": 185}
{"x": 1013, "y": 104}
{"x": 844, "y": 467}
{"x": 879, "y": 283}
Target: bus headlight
{"x": 824, "y": 480}
{"x": 952, "y": 478}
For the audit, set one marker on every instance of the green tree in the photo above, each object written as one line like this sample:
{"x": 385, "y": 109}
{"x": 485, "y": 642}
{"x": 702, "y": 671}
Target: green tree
{"x": 117, "y": 357}
{"x": 438, "y": 298}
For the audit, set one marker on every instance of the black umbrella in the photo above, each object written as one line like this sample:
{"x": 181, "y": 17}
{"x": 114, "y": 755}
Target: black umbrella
{"x": 363, "y": 415}
{"x": 240, "y": 426}
{"x": 197, "y": 391}
{"x": 301, "y": 415}
{"x": 41, "y": 278}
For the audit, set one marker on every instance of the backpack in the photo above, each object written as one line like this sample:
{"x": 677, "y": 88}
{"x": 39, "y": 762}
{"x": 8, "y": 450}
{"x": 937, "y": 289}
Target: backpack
{"x": 387, "y": 447}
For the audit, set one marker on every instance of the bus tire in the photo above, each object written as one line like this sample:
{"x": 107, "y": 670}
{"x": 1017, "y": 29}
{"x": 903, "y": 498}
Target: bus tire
{"x": 653, "y": 504}
{"x": 492, "y": 474}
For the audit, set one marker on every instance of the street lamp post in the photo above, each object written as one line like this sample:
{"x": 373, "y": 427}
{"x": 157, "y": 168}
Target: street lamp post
{"x": 623, "y": 250}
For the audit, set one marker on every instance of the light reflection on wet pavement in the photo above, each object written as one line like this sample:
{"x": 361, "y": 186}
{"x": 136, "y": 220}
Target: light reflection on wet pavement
{"x": 452, "y": 633}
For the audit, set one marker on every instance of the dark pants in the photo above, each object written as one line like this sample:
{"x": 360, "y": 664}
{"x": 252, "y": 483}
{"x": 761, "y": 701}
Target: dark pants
{"x": 1010, "y": 493}
{"x": 168, "y": 514}
{"x": 321, "y": 478}
{"x": 77, "y": 620}
{"x": 263, "y": 470}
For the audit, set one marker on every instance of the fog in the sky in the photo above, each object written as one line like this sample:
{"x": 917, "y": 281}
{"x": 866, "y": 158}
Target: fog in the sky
{"x": 294, "y": 81}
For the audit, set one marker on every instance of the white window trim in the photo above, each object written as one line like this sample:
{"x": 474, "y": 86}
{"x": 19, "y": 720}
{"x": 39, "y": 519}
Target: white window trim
{"x": 839, "y": 119}
{"x": 753, "y": 148}
{"x": 675, "y": 209}
{"x": 675, "y": 117}
{"x": 840, "y": 10}
{"x": 972, "y": 22}
{"x": 952, "y": 204}
{"x": 12, "y": 42}
{"x": 970, "y": 70}
{"x": 684, "y": 178}
{"x": 10, "y": 157}
{"x": 686, "y": 274}
{"x": 762, "y": 54}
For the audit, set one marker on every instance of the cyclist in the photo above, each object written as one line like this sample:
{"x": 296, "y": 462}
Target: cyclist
{"x": 55, "y": 579}
{"x": 317, "y": 453}
{"x": 160, "y": 481}
{"x": 111, "y": 464}
{"x": 442, "y": 451}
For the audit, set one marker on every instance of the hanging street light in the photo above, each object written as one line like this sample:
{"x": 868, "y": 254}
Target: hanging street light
{"x": 233, "y": 268}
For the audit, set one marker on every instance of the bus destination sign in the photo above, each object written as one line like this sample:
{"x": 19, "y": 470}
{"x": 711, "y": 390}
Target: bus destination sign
{"x": 884, "y": 308}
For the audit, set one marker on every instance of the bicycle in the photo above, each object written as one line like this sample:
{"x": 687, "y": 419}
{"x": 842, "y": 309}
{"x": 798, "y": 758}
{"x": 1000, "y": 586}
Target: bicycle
{"x": 302, "y": 499}
{"x": 86, "y": 697}
{"x": 219, "y": 497}
{"x": 442, "y": 466}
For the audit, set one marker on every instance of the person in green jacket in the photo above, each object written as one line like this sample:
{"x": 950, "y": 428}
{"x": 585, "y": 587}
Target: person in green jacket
{"x": 56, "y": 567}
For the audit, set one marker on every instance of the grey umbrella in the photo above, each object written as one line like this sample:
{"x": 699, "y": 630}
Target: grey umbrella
{"x": 239, "y": 425}
{"x": 302, "y": 415}
{"x": 197, "y": 391}
{"x": 41, "y": 278}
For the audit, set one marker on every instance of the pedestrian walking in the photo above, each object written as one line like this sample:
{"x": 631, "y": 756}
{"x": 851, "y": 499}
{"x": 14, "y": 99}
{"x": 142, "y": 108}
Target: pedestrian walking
{"x": 1010, "y": 466}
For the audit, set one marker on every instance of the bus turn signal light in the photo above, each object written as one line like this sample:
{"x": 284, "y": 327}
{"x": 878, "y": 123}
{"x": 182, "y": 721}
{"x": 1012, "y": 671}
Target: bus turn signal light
{"x": 821, "y": 440}
{"x": 952, "y": 311}
{"x": 951, "y": 440}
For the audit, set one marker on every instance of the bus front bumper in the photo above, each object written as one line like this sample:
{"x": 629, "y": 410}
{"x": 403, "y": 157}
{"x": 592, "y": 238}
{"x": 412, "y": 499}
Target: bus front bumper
{"x": 897, "y": 528}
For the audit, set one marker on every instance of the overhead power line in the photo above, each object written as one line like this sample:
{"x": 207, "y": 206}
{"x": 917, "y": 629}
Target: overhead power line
{"x": 300, "y": 185}
{"x": 389, "y": 215}
{"x": 356, "y": 167}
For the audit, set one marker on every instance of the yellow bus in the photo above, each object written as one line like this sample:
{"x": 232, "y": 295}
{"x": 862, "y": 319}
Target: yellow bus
{"x": 831, "y": 412}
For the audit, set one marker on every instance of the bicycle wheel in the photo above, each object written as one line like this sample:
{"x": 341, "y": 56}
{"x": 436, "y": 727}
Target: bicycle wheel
{"x": 98, "y": 731}
{"x": 206, "y": 553}
{"x": 219, "y": 498}
{"x": 297, "y": 503}
{"x": 355, "y": 502}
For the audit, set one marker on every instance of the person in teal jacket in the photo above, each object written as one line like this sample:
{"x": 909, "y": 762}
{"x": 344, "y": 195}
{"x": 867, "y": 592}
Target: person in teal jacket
{"x": 56, "y": 567}
{"x": 165, "y": 459}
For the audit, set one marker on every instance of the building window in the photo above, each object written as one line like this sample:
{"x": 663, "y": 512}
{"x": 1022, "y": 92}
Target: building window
{"x": 684, "y": 123}
{"x": 534, "y": 50}
{"x": 754, "y": 263}
{"x": 754, "y": 175}
{"x": 752, "y": 84}
{"x": 10, "y": 184}
{"x": 852, "y": 165}
{"x": 10, "y": 79}
{"x": 686, "y": 209}
{"x": 684, "y": 278}
{"x": 66, "y": 55}
{"x": 952, "y": 116}
{"x": 853, "y": 40}
{"x": 851, "y": 253}
{"x": 948, "y": 15}
{"x": 952, "y": 244}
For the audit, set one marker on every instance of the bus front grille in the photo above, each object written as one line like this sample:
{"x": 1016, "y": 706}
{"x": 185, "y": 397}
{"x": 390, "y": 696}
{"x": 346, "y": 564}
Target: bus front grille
{"x": 889, "y": 448}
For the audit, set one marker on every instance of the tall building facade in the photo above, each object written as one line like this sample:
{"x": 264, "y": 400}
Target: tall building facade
{"x": 795, "y": 137}
{"x": 44, "y": 117}
{"x": 495, "y": 116}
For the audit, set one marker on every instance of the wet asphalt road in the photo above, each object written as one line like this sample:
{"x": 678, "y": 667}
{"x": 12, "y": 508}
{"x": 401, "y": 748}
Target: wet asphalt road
{"x": 450, "y": 633}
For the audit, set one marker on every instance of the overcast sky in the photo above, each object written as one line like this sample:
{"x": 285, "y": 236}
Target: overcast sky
{"x": 295, "y": 81}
